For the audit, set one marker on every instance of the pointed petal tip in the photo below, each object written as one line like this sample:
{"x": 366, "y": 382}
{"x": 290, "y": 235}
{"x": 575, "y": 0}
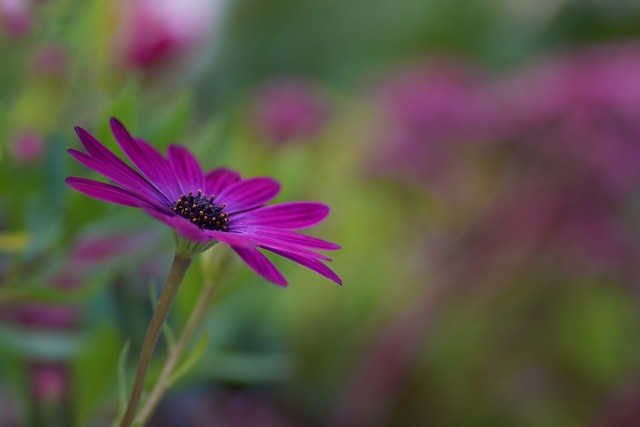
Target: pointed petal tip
{"x": 282, "y": 284}
{"x": 119, "y": 130}
{"x": 81, "y": 132}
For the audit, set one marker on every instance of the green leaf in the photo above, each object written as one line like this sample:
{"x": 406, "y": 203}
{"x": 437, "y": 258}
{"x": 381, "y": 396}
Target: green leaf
{"x": 122, "y": 380}
{"x": 91, "y": 385}
{"x": 168, "y": 335}
{"x": 191, "y": 360}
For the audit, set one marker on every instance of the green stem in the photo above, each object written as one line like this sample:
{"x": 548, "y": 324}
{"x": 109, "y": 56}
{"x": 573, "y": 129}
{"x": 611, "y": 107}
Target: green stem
{"x": 176, "y": 274}
{"x": 169, "y": 367}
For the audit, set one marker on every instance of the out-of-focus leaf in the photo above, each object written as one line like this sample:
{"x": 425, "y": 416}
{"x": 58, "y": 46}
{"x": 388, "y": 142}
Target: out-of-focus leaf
{"x": 13, "y": 242}
{"x": 191, "y": 360}
{"x": 171, "y": 126}
{"x": 94, "y": 371}
{"x": 40, "y": 343}
{"x": 125, "y": 107}
{"x": 122, "y": 381}
{"x": 248, "y": 368}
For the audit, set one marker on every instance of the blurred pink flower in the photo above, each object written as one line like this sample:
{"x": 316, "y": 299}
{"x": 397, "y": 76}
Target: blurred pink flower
{"x": 581, "y": 114}
{"x": 15, "y": 17}
{"x": 50, "y": 61}
{"x": 93, "y": 250}
{"x": 43, "y": 316}
{"x": 86, "y": 253}
{"x": 157, "y": 32}
{"x": 27, "y": 147}
{"x": 49, "y": 381}
{"x": 289, "y": 109}
{"x": 433, "y": 109}
{"x": 580, "y": 227}
{"x": 445, "y": 99}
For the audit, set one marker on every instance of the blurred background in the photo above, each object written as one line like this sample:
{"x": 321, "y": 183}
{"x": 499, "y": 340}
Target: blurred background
{"x": 482, "y": 162}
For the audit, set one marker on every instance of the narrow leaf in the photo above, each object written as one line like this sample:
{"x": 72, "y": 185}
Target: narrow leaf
{"x": 191, "y": 360}
{"x": 122, "y": 379}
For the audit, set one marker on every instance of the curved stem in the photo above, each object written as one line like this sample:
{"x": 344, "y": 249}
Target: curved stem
{"x": 176, "y": 274}
{"x": 169, "y": 367}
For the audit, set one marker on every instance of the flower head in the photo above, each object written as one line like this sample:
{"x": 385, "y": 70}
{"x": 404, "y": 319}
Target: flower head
{"x": 204, "y": 209}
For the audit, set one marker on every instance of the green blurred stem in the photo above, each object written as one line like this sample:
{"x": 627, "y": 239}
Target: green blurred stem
{"x": 176, "y": 274}
{"x": 170, "y": 365}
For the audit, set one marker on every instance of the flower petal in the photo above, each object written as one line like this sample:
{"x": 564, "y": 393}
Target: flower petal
{"x": 186, "y": 169}
{"x": 126, "y": 178}
{"x": 148, "y": 160}
{"x": 289, "y": 237}
{"x": 158, "y": 170}
{"x": 248, "y": 194}
{"x": 107, "y": 192}
{"x": 288, "y": 216}
{"x": 219, "y": 179}
{"x": 271, "y": 243}
{"x": 101, "y": 153}
{"x": 232, "y": 239}
{"x": 95, "y": 148}
{"x": 181, "y": 225}
{"x": 260, "y": 264}
{"x": 311, "y": 264}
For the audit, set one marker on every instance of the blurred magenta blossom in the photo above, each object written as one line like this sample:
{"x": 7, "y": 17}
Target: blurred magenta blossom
{"x": 89, "y": 251}
{"x": 433, "y": 109}
{"x": 154, "y": 33}
{"x": 575, "y": 121}
{"x": 27, "y": 147}
{"x": 49, "y": 380}
{"x": 544, "y": 166}
{"x": 564, "y": 152}
{"x": 16, "y": 17}
{"x": 581, "y": 114}
{"x": 289, "y": 109}
{"x": 50, "y": 60}
{"x": 46, "y": 316}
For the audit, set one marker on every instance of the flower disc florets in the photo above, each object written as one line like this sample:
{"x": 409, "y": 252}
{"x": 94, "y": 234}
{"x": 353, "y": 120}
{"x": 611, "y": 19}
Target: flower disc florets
{"x": 202, "y": 211}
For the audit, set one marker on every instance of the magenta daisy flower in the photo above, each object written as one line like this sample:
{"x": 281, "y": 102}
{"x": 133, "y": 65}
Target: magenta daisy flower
{"x": 205, "y": 208}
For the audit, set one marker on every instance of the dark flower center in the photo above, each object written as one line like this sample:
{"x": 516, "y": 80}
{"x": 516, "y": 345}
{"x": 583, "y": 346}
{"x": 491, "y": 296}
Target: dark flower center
{"x": 202, "y": 211}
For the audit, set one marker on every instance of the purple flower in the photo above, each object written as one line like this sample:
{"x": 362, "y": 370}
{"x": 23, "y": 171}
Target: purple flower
{"x": 204, "y": 209}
